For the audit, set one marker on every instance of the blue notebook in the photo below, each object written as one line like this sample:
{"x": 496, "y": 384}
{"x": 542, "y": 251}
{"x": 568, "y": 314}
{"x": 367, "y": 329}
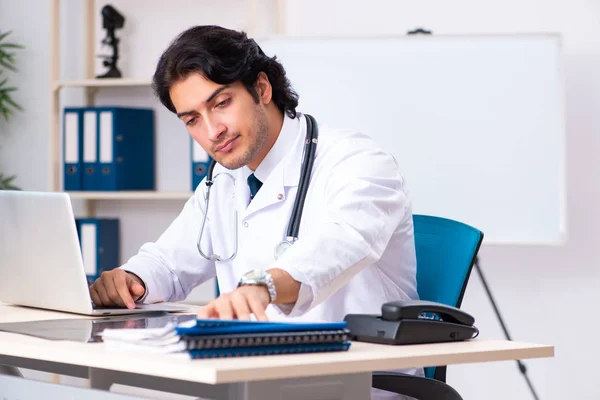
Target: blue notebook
{"x": 269, "y": 350}
{"x": 265, "y": 339}
{"x": 220, "y": 327}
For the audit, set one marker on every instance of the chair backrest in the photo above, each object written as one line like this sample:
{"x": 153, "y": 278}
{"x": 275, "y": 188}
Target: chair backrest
{"x": 446, "y": 251}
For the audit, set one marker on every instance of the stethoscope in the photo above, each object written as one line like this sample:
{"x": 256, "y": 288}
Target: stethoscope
{"x": 310, "y": 148}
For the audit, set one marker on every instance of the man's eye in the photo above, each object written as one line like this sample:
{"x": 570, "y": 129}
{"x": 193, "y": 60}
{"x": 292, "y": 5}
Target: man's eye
{"x": 191, "y": 121}
{"x": 223, "y": 103}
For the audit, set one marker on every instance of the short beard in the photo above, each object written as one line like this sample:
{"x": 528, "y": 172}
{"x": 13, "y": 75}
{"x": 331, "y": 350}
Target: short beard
{"x": 259, "y": 133}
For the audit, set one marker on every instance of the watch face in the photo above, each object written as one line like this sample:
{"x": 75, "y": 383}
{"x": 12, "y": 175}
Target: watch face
{"x": 255, "y": 274}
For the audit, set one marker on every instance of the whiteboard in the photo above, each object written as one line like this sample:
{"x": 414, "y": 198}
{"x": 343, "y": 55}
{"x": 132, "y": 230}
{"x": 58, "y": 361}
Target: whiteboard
{"x": 476, "y": 123}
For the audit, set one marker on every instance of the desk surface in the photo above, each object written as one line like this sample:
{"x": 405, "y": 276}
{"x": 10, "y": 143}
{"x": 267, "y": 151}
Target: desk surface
{"x": 362, "y": 357}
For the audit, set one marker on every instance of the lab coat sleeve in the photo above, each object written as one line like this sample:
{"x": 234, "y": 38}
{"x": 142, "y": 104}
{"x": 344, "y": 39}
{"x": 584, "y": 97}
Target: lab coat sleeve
{"x": 365, "y": 201}
{"x": 171, "y": 266}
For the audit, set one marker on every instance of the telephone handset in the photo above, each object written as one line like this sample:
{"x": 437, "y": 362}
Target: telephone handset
{"x": 412, "y": 322}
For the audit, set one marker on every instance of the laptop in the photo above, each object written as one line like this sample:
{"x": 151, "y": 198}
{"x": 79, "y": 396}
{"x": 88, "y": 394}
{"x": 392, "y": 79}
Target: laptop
{"x": 41, "y": 264}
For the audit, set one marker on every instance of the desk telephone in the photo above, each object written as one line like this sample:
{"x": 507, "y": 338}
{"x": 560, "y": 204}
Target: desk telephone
{"x": 412, "y": 322}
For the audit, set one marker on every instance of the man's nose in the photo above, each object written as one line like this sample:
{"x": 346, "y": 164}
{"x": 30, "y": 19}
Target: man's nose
{"x": 215, "y": 129}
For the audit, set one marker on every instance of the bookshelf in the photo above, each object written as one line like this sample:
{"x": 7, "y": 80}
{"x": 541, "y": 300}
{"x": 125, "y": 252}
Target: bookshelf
{"x": 91, "y": 85}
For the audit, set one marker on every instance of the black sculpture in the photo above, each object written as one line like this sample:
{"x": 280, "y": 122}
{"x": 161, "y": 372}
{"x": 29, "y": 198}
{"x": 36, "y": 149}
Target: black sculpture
{"x": 111, "y": 20}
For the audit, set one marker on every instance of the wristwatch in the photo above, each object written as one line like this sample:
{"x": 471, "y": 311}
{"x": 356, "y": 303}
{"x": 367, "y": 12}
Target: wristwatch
{"x": 259, "y": 277}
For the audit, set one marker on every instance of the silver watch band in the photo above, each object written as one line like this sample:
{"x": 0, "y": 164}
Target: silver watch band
{"x": 260, "y": 278}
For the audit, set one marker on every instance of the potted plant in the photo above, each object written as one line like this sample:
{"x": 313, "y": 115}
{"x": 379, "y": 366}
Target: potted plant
{"x": 7, "y": 105}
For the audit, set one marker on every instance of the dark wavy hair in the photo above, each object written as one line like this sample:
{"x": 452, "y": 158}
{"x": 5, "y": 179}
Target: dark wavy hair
{"x": 223, "y": 56}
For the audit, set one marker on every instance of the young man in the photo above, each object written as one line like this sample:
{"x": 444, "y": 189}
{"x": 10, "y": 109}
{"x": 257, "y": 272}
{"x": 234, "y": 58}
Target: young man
{"x": 355, "y": 248}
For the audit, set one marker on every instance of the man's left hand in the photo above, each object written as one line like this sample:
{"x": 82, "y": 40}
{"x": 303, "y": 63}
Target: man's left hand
{"x": 239, "y": 304}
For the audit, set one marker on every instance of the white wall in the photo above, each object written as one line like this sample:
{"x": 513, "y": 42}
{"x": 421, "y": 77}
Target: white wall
{"x": 544, "y": 293}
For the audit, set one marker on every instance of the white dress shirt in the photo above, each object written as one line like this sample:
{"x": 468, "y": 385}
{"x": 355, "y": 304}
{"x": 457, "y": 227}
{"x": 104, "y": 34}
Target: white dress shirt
{"x": 355, "y": 249}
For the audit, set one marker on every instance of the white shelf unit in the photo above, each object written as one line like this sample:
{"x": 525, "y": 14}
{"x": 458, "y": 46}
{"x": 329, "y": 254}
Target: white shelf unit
{"x": 91, "y": 85}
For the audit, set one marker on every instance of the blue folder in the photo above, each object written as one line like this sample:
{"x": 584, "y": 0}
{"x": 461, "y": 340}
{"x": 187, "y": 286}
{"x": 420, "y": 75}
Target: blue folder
{"x": 225, "y": 327}
{"x": 72, "y": 148}
{"x": 126, "y": 149}
{"x": 99, "y": 240}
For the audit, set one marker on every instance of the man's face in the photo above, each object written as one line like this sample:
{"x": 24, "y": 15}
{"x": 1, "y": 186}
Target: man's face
{"x": 224, "y": 119}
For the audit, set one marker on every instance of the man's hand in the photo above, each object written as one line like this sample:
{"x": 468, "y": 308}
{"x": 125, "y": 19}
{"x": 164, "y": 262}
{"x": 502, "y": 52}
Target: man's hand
{"x": 239, "y": 304}
{"x": 117, "y": 288}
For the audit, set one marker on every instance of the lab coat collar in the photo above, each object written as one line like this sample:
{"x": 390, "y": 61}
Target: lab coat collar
{"x": 281, "y": 166}
{"x": 280, "y": 150}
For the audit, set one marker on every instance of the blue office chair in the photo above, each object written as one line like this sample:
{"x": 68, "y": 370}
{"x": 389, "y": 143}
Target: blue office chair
{"x": 446, "y": 251}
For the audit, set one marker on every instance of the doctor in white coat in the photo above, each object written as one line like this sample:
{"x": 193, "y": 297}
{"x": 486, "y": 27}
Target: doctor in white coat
{"x": 355, "y": 247}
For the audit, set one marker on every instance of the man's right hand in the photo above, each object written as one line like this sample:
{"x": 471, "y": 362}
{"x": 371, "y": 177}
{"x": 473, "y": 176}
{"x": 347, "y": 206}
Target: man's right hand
{"x": 117, "y": 288}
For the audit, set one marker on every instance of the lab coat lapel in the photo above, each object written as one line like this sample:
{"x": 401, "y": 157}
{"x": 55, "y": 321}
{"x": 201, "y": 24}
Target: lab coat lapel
{"x": 242, "y": 193}
{"x": 271, "y": 192}
{"x": 285, "y": 175}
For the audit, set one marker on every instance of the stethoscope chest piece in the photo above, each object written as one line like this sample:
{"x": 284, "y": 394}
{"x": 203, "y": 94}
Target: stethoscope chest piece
{"x": 282, "y": 247}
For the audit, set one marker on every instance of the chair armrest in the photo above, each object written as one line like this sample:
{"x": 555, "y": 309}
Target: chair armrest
{"x": 414, "y": 386}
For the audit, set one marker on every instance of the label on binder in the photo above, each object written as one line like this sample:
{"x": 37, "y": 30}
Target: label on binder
{"x": 71, "y": 138}
{"x": 106, "y": 137}
{"x": 89, "y": 137}
{"x": 89, "y": 248}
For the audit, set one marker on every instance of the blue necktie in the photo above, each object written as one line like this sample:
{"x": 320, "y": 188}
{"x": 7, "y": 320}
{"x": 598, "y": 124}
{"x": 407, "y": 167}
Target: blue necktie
{"x": 254, "y": 184}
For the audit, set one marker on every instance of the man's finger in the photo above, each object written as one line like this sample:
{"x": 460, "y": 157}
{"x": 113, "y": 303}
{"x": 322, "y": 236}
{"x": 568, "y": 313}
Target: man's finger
{"x": 94, "y": 295}
{"x": 101, "y": 290}
{"x": 224, "y": 307}
{"x": 208, "y": 311}
{"x": 136, "y": 289}
{"x": 120, "y": 282}
{"x": 257, "y": 307}
{"x": 239, "y": 303}
{"x": 111, "y": 290}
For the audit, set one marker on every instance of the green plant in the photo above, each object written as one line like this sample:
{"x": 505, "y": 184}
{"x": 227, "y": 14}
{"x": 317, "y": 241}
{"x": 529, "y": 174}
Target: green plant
{"x": 7, "y": 60}
{"x": 7, "y": 104}
{"x": 6, "y": 182}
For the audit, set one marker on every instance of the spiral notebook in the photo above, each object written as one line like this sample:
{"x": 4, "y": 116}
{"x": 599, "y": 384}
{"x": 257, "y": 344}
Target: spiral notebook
{"x": 265, "y": 339}
{"x": 269, "y": 350}
{"x": 218, "y": 339}
{"x": 232, "y": 338}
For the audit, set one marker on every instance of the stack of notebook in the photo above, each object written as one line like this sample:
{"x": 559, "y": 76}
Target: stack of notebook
{"x": 218, "y": 339}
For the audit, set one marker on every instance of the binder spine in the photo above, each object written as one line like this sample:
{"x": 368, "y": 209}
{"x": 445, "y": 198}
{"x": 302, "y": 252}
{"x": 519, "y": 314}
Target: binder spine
{"x": 90, "y": 150}
{"x": 108, "y": 244}
{"x": 72, "y": 148}
{"x": 106, "y": 159}
{"x": 126, "y": 148}
{"x": 99, "y": 241}
{"x": 269, "y": 350}
{"x": 273, "y": 339}
{"x": 134, "y": 148}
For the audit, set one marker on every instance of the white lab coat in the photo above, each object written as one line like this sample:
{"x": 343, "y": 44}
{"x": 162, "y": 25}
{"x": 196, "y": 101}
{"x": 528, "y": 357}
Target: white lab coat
{"x": 355, "y": 249}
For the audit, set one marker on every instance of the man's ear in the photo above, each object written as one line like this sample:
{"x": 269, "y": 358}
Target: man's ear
{"x": 264, "y": 88}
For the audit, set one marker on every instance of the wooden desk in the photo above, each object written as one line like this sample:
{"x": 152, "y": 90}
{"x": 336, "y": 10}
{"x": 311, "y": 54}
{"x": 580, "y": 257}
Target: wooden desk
{"x": 344, "y": 375}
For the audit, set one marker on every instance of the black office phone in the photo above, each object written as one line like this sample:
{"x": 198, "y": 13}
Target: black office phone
{"x": 412, "y": 322}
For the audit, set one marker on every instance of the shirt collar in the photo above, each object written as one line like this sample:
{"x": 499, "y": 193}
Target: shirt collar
{"x": 284, "y": 143}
